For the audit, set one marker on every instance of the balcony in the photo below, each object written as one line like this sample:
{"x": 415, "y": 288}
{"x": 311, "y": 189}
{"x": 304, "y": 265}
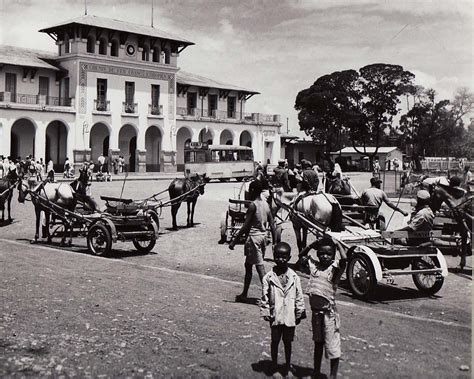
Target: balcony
{"x": 227, "y": 116}
{"x": 42, "y": 100}
{"x": 155, "y": 110}
{"x": 131, "y": 108}
{"x": 102, "y": 105}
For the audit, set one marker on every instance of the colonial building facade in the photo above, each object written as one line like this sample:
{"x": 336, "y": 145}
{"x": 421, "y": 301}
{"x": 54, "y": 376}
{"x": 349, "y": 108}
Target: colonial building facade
{"x": 115, "y": 88}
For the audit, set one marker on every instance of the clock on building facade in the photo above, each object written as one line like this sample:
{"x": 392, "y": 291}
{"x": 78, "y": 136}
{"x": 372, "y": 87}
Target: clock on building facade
{"x": 130, "y": 49}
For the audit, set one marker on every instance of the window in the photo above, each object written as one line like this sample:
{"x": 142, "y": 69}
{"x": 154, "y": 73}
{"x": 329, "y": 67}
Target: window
{"x": 156, "y": 55}
{"x": 212, "y": 105}
{"x": 44, "y": 87}
{"x": 91, "y": 44}
{"x": 10, "y": 85}
{"x": 129, "y": 97}
{"x": 101, "y": 95}
{"x": 66, "y": 92}
{"x": 114, "y": 49}
{"x": 167, "y": 56}
{"x": 231, "y": 100}
{"x": 192, "y": 103}
{"x": 103, "y": 46}
{"x": 67, "y": 45}
{"x": 155, "y": 99}
{"x": 146, "y": 54}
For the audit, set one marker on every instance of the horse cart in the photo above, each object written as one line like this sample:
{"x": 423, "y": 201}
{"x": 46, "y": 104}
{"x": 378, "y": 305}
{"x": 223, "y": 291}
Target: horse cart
{"x": 374, "y": 256}
{"x": 120, "y": 222}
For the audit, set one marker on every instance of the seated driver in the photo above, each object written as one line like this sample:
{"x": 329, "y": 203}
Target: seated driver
{"x": 422, "y": 218}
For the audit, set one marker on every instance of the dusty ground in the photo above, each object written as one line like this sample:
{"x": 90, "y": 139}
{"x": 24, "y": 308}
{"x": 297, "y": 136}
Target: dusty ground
{"x": 171, "y": 313}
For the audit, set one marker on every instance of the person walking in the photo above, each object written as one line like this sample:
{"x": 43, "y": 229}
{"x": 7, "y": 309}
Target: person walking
{"x": 282, "y": 303}
{"x": 325, "y": 274}
{"x": 257, "y": 219}
{"x": 50, "y": 171}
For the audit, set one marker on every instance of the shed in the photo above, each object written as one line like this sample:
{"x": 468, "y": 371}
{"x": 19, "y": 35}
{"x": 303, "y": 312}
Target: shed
{"x": 350, "y": 159}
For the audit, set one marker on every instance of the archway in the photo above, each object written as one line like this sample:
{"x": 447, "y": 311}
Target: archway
{"x": 22, "y": 138}
{"x": 226, "y": 137}
{"x": 182, "y": 136}
{"x": 99, "y": 141}
{"x": 206, "y": 136}
{"x": 246, "y": 139}
{"x": 56, "y": 144}
{"x": 153, "y": 148}
{"x": 128, "y": 146}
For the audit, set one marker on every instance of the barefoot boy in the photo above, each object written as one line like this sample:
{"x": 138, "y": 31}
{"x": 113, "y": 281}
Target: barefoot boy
{"x": 282, "y": 302}
{"x": 325, "y": 275}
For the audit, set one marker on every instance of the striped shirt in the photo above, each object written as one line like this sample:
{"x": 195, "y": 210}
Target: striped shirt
{"x": 323, "y": 282}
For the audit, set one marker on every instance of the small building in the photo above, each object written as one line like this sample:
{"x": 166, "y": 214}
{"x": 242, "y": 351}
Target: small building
{"x": 295, "y": 149}
{"x": 351, "y": 160}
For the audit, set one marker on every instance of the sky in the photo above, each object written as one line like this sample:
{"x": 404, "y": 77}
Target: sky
{"x": 280, "y": 47}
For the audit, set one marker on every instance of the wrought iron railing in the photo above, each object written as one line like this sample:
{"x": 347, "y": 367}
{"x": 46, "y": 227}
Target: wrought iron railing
{"x": 227, "y": 115}
{"x": 102, "y": 105}
{"x": 129, "y": 107}
{"x": 155, "y": 109}
{"x": 21, "y": 98}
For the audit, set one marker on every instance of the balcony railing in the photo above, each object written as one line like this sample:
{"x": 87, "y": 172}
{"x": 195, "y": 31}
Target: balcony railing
{"x": 129, "y": 107}
{"x": 21, "y": 98}
{"x": 155, "y": 109}
{"x": 198, "y": 113}
{"x": 102, "y": 105}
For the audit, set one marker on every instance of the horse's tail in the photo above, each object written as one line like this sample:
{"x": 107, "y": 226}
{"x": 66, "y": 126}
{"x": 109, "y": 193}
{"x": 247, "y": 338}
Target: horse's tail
{"x": 336, "y": 218}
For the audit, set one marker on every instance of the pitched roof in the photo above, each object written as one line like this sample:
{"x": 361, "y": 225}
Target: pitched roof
{"x": 109, "y": 23}
{"x": 369, "y": 150}
{"x": 184, "y": 77}
{"x": 18, "y": 56}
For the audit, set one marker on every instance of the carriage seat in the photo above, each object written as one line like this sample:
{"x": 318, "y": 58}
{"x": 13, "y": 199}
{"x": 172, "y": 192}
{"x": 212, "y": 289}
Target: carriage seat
{"x": 117, "y": 199}
{"x": 238, "y": 209}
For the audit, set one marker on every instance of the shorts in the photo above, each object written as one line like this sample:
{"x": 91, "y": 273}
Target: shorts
{"x": 326, "y": 326}
{"x": 287, "y": 333}
{"x": 254, "y": 249}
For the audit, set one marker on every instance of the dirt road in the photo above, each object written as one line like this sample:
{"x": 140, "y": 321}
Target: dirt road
{"x": 172, "y": 313}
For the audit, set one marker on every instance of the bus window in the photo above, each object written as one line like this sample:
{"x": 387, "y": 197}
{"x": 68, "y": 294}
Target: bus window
{"x": 200, "y": 156}
{"x": 215, "y": 156}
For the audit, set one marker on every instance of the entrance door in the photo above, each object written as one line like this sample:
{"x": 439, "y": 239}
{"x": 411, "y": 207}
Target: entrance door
{"x": 44, "y": 87}
{"x": 133, "y": 152}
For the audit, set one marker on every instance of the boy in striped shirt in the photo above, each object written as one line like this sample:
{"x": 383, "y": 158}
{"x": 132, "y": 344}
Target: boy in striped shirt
{"x": 325, "y": 274}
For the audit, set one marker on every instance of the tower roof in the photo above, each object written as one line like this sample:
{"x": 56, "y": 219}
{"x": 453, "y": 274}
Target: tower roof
{"x": 108, "y": 23}
{"x": 183, "y": 77}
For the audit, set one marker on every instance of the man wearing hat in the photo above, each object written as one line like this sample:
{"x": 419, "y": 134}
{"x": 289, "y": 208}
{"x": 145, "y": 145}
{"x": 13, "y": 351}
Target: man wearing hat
{"x": 280, "y": 178}
{"x": 310, "y": 177}
{"x": 374, "y": 197}
{"x": 422, "y": 218}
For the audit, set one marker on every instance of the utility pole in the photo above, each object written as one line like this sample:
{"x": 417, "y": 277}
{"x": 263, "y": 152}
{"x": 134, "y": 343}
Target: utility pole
{"x": 85, "y": 7}
{"x": 287, "y": 129}
{"x": 152, "y": 13}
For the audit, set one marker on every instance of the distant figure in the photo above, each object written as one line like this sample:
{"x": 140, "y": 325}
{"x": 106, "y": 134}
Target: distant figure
{"x": 50, "y": 171}
{"x": 310, "y": 179}
{"x": 376, "y": 168}
{"x": 67, "y": 168}
{"x": 39, "y": 171}
{"x": 281, "y": 176}
{"x": 101, "y": 161}
{"x": 467, "y": 178}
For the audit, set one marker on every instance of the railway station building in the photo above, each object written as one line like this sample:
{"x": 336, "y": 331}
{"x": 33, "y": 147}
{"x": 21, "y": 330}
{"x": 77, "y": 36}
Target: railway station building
{"x": 115, "y": 88}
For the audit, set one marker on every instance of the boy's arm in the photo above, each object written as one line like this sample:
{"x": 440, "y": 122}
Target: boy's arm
{"x": 307, "y": 249}
{"x": 341, "y": 263}
{"x": 265, "y": 300}
{"x": 246, "y": 227}
{"x": 300, "y": 310}
{"x": 271, "y": 221}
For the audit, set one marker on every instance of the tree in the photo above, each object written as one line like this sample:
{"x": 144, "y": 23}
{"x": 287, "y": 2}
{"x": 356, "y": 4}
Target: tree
{"x": 380, "y": 87}
{"x": 327, "y": 107}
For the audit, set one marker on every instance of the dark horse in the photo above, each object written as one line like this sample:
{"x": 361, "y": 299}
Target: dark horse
{"x": 7, "y": 185}
{"x": 193, "y": 186}
{"x": 460, "y": 205}
{"x": 61, "y": 194}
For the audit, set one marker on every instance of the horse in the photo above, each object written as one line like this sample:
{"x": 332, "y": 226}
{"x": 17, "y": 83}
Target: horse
{"x": 7, "y": 184}
{"x": 321, "y": 208}
{"x": 192, "y": 186}
{"x": 64, "y": 195}
{"x": 460, "y": 204}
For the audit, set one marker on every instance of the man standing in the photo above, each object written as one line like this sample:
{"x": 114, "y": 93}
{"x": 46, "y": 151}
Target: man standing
{"x": 310, "y": 178}
{"x": 257, "y": 219}
{"x": 374, "y": 197}
{"x": 467, "y": 178}
{"x": 281, "y": 176}
{"x": 101, "y": 161}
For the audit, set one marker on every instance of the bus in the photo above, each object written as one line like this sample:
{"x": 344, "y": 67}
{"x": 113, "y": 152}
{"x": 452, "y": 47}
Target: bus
{"x": 221, "y": 162}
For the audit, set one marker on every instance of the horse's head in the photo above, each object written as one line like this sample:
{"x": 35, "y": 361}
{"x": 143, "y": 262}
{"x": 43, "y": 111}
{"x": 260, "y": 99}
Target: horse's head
{"x": 12, "y": 176}
{"x": 441, "y": 193}
{"x": 82, "y": 181}
{"x": 22, "y": 191}
{"x": 199, "y": 181}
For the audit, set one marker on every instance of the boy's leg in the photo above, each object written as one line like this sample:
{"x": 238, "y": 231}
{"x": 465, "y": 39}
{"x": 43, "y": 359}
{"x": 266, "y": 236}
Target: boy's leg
{"x": 288, "y": 335}
{"x": 247, "y": 281}
{"x": 334, "y": 367}
{"x": 276, "y": 337}
{"x": 317, "y": 323}
{"x": 318, "y": 356}
{"x": 260, "y": 271}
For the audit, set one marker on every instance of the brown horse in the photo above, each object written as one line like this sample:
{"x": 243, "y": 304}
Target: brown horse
{"x": 460, "y": 204}
{"x": 7, "y": 184}
{"x": 192, "y": 186}
{"x": 46, "y": 196}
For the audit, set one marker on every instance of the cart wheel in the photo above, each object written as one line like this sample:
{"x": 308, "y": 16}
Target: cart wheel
{"x": 427, "y": 283}
{"x": 99, "y": 240}
{"x": 145, "y": 246}
{"x": 361, "y": 276}
{"x": 223, "y": 228}
{"x": 154, "y": 217}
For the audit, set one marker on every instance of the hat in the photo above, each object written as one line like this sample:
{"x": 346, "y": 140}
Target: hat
{"x": 423, "y": 195}
{"x": 455, "y": 181}
{"x": 374, "y": 181}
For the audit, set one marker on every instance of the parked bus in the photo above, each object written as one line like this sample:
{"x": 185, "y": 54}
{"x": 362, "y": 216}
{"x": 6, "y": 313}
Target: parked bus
{"x": 221, "y": 162}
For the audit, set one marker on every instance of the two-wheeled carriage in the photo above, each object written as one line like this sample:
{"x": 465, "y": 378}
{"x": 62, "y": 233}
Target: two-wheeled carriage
{"x": 374, "y": 256}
